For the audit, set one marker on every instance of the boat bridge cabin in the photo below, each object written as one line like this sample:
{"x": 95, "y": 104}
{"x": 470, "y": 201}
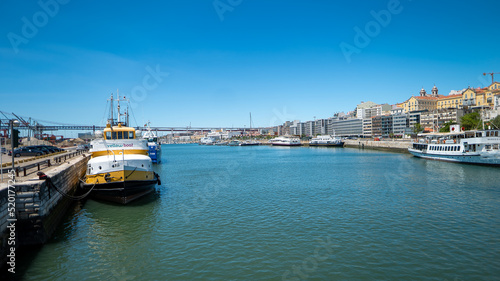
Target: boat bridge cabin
{"x": 118, "y": 132}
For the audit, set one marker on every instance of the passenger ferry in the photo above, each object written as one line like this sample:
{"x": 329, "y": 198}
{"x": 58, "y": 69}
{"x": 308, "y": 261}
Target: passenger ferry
{"x": 154, "y": 146}
{"x": 285, "y": 141}
{"x": 119, "y": 169}
{"x": 474, "y": 147}
{"x": 326, "y": 141}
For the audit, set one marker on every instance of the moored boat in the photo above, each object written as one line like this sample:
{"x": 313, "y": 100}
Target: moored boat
{"x": 249, "y": 143}
{"x": 154, "y": 146}
{"x": 285, "y": 141}
{"x": 120, "y": 169}
{"x": 326, "y": 140}
{"x": 473, "y": 147}
{"x": 207, "y": 141}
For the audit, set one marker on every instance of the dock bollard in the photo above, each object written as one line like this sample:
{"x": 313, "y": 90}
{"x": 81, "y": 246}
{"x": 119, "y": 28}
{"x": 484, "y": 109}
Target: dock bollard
{"x": 24, "y": 171}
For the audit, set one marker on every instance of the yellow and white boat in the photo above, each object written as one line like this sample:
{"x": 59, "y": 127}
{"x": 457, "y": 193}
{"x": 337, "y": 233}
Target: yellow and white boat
{"x": 120, "y": 169}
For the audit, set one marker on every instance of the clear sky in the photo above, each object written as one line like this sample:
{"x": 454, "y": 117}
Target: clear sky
{"x": 211, "y": 63}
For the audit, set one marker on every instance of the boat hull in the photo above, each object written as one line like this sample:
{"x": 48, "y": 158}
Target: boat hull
{"x": 475, "y": 158}
{"x": 122, "y": 192}
{"x": 328, "y": 144}
{"x": 286, "y": 144}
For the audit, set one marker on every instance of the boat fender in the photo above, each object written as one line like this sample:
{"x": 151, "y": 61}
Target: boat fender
{"x": 158, "y": 181}
{"x": 48, "y": 181}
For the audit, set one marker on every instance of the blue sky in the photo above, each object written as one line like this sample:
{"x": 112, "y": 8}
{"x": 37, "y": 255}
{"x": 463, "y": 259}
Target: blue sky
{"x": 216, "y": 61}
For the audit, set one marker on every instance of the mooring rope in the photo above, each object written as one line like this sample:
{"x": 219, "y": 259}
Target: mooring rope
{"x": 50, "y": 183}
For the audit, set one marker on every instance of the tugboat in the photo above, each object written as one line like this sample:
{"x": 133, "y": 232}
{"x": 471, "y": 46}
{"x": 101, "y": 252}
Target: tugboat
{"x": 154, "y": 146}
{"x": 120, "y": 169}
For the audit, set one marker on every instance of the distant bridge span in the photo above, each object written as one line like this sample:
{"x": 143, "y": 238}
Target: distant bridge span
{"x": 93, "y": 128}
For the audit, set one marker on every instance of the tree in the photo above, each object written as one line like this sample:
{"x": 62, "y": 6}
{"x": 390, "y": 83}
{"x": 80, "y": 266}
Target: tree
{"x": 471, "y": 121}
{"x": 446, "y": 127}
{"x": 418, "y": 128}
{"x": 495, "y": 122}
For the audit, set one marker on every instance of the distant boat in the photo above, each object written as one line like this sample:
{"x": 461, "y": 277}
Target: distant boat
{"x": 285, "y": 141}
{"x": 326, "y": 140}
{"x": 249, "y": 143}
{"x": 207, "y": 141}
{"x": 154, "y": 146}
{"x": 234, "y": 143}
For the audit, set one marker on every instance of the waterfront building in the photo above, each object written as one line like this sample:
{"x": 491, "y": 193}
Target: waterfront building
{"x": 399, "y": 124}
{"x": 367, "y": 127}
{"x": 361, "y": 109}
{"x": 351, "y": 127}
{"x": 423, "y": 102}
{"x": 434, "y": 120}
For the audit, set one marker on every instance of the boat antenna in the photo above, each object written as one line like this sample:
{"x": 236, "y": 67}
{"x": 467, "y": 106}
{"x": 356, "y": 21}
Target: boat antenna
{"x": 111, "y": 111}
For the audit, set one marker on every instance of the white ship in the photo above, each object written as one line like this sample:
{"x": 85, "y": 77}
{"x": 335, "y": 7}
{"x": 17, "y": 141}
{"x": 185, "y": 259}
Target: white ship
{"x": 285, "y": 141}
{"x": 474, "y": 147}
{"x": 326, "y": 140}
{"x": 207, "y": 141}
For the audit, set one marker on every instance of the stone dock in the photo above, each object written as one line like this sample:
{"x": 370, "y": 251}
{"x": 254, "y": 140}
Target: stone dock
{"x": 388, "y": 145}
{"x": 31, "y": 209}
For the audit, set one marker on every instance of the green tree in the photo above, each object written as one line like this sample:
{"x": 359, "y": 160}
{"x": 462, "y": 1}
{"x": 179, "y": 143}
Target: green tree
{"x": 471, "y": 121}
{"x": 418, "y": 128}
{"x": 446, "y": 127}
{"x": 495, "y": 122}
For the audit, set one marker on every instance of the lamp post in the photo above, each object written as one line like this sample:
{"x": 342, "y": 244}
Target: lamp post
{"x": 12, "y": 124}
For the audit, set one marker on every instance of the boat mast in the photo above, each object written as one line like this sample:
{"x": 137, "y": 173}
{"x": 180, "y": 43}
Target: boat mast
{"x": 250, "y": 120}
{"x": 111, "y": 111}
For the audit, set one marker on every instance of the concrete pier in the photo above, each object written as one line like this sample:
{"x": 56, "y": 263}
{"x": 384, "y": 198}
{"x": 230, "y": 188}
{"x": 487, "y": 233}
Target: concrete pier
{"x": 38, "y": 207}
{"x": 391, "y": 145}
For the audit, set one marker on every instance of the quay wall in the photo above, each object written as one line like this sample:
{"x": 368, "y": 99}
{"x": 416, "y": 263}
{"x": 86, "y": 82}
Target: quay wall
{"x": 394, "y": 145}
{"x": 39, "y": 207}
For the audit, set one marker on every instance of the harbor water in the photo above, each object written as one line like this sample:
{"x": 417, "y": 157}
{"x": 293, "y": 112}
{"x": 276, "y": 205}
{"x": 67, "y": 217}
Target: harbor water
{"x": 286, "y": 213}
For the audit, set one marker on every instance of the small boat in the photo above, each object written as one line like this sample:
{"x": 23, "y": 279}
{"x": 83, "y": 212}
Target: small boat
{"x": 326, "y": 140}
{"x": 480, "y": 147}
{"x": 234, "y": 143}
{"x": 249, "y": 143}
{"x": 154, "y": 146}
{"x": 285, "y": 141}
{"x": 207, "y": 141}
{"x": 120, "y": 169}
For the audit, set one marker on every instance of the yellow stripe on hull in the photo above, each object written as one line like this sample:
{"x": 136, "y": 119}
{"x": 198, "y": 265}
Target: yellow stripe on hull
{"x": 119, "y": 152}
{"x": 127, "y": 175}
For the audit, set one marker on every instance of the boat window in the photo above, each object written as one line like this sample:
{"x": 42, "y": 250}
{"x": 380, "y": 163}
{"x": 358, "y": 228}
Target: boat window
{"x": 108, "y": 135}
{"x": 130, "y": 135}
{"x": 115, "y": 135}
{"x": 487, "y": 133}
{"x": 119, "y": 135}
{"x": 496, "y": 133}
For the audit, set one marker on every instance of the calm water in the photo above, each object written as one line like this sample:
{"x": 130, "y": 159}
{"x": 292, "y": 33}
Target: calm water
{"x": 268, "y": 213}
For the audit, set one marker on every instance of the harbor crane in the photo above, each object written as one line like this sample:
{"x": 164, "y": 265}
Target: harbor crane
{"x": 491, "y": 73}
